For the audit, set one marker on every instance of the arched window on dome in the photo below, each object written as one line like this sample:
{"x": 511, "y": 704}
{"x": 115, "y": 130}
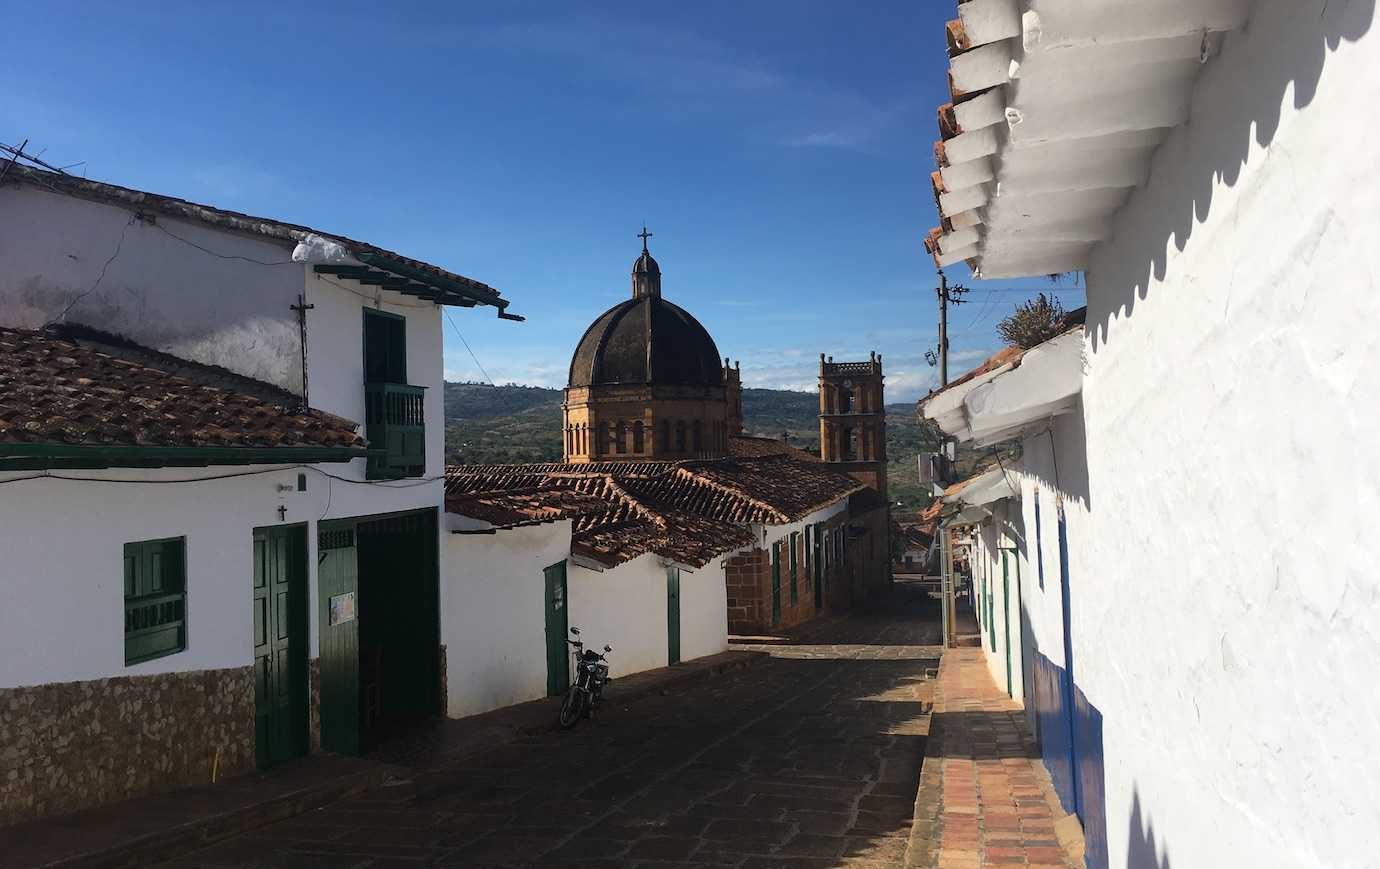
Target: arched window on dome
{"x": 680, "y": 435}
{"x": 697, "y": 436}
{"x": 582, "y": 438}
{"x": 620, "y": 446}
{"x": 639, "y": 445}
{"x": 663, "y": 436}
{"x": 601, "y": 444}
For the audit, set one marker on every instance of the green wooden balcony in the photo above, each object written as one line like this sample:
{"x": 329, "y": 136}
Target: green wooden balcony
{"x": 394, "y": 422}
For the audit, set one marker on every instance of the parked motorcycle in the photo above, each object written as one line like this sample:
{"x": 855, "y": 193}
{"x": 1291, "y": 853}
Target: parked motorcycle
{"x": 591, "y": 674}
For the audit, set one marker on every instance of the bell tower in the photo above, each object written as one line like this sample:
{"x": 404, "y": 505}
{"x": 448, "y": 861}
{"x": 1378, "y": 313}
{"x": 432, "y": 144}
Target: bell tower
{"x": 852, "y": 418}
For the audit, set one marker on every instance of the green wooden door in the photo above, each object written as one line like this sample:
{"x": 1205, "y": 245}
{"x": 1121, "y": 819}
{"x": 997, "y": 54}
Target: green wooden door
{"x": 990, "y": 584}
{"x": 557, "y": 630}
{"x": 280, "y": 644}
{"x": 776, "y": 583}
{"x": 672, "y": 615}
{"x": 819, "y": 568}
{"x": 1006, "y": 616}
{"x": 338, "y": 578}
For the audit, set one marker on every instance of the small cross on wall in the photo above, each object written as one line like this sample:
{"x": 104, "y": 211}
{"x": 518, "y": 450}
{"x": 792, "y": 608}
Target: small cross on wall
{"x": 282, "y": 512}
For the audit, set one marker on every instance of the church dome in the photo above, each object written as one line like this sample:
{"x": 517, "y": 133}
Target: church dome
{"x": 646, "y": 340}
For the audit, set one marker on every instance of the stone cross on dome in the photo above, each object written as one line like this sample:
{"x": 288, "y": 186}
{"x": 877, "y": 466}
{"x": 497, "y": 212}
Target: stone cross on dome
{"x": 644, "y": 235}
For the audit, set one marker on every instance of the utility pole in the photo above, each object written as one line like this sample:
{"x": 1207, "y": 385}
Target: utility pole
{"x": 947, "y": 295}
{"x": 943, "y": 329}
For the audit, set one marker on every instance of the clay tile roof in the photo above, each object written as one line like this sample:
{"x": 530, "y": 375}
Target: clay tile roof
{"x": 748, "y": 447}
{"x": 689, "y": 512}
{"x": 63, "y": 391}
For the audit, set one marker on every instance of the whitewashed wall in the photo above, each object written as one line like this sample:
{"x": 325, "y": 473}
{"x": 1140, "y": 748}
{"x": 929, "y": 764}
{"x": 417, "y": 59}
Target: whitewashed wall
{"x": 626, "y": 608}
{"x": 64, "y": 542}
{"x": 704, "y": 611}
{"x": 493, "y": 614}
{"x": 770, "y": 534}
{"x": 335, "y": 364}
{"x": 158, "y": 291}
{"x": 1226, "y": 582}
{"x": 493, "y": 619}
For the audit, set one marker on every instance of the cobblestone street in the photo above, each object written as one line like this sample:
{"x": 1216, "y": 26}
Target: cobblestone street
{"x": 811, "y": 758}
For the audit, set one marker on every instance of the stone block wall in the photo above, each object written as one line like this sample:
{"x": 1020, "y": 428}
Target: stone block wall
{"x": 749, "y": 588}
{"x": 748, "y": 576}
{"x": 71, "y": 745}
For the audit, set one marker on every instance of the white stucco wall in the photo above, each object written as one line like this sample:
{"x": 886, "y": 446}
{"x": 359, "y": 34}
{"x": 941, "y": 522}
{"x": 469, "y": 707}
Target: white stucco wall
{"x": 770, "y": 534}
{"x": 1225, "y": 590}
{"x": 159, "y": 291}
{"x": 494, "y": 612}
{"x": 493, "y": 617}
{"x": 335, "y": 363}
{"x": 626, "y": 608}
{"x": 64, "y": 541}
{"x": 704, "y": 611}
{"x": 993, "y": 536}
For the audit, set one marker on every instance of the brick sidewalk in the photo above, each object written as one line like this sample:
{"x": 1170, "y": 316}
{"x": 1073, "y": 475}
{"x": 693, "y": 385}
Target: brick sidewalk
{"x": 985, "y": 799}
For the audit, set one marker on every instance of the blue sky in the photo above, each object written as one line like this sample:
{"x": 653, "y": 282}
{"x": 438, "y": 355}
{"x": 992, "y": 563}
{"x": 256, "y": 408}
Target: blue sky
{"x": 779, "y": 151}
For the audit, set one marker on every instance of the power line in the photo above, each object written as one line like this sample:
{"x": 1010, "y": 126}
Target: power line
{"x": 118, "y": 246}
{"x": 213, "y": 253}
{"x": 471, "y": 351}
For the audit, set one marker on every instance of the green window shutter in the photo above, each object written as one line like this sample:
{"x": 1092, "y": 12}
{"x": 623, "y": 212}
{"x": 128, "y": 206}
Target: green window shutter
{"x": 776, "y": 582}
{"x": 394, "y": 412}
{"x": 795, "y": 586}
{"x": 155, "y": 599}
{"x": 385, "y": 347}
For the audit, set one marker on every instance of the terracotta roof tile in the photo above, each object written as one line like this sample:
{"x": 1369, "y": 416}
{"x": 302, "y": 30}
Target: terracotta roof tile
{"x": 57, "y": 390}
{"x": 689, "y": 512}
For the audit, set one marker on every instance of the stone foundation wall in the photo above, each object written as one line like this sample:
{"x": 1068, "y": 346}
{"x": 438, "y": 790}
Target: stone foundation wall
{"x": 72, "y": 745}
{"x": 314, "y": 704}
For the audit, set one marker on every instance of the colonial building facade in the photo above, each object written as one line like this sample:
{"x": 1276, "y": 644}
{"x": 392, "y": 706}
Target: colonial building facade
{"x": 220, "y": 491}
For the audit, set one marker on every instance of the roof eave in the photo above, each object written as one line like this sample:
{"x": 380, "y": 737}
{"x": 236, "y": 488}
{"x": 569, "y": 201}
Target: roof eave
{"x": 32, "y": 457}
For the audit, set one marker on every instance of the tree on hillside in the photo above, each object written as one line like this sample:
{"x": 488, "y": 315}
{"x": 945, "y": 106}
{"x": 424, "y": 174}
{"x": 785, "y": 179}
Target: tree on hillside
{"x": 1033, "y": 322}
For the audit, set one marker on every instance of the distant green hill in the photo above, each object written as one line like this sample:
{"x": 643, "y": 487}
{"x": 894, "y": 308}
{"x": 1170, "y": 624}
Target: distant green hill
{"x": 512, "y": 424}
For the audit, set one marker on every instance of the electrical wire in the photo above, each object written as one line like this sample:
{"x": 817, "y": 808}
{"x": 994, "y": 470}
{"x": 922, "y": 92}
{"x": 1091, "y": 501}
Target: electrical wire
{"x": 471, "y": 351}
{"x": 213, "y": 253}
{"x": 119, "y": 245}
{"x": 373, "y": 298}
{"x": 996, "y": 453}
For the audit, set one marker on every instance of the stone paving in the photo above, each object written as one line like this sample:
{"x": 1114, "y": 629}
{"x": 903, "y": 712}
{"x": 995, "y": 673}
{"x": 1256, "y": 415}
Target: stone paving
{"x": 985, "y": 798}
{"x": 809, "y": 759}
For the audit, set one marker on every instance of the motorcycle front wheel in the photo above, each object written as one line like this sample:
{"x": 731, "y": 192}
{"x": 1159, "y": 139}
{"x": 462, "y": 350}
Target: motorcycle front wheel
{"x": 573, "y": 707}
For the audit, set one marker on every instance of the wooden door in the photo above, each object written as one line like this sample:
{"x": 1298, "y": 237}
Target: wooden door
{"x": 280, "y": 644}
{"x": 818, "y": 562}
{"x": 776, "y": 583}
{"x": 1006, "y": 615}
{"x": 557, "y": 629}
{"x": 672, "y": 615}
{"x": 338, "y": 578}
